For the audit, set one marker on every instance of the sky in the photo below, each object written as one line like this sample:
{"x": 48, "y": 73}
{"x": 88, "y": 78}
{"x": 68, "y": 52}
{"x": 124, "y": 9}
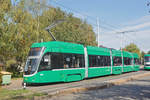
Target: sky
{"x": 115, "y": 16}
{"x": 131, "y": 16}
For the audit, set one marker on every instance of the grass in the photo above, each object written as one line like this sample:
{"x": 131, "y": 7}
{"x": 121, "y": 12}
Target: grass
{"x": 17, "y": 78}
{"x": 18, "y": 94}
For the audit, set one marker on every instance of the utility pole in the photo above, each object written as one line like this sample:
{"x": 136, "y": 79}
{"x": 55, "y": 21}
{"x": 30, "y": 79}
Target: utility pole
{"x": 122, "y": 37}
{"x": 148, "y": 4}
{"x": 121, "y": 46}
{"x": 98, "y": 31}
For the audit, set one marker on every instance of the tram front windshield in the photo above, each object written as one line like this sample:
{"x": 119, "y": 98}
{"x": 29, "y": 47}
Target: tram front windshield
{"x": 35, "y": 51}
{"x": 147, "y": 59}
{"x": 31, "y": 66}
{"x": 32, "y": 61}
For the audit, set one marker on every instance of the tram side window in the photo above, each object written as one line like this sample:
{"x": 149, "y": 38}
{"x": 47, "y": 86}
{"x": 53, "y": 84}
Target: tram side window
{"x": 92, "y": 61}
{"x": 98, "y": 61}
{"x": 117, "y": 61}
{"x": 51, "y": 61}
{"x": 101, "y": 61}
{"x": 45, "y": 63}
{"x": 73, "y": 61}
{"x": 139, "y": 62}
{"x": 57, "y": 60}
{"x": 127, "y": 61}
{"x": 107, "y": 61}
{"x": 61, "y": 61}
{"x": 136, "y": 61}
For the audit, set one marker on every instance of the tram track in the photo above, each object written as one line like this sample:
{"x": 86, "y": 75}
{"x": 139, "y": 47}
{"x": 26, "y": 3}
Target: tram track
{"x": 84, "y": 83}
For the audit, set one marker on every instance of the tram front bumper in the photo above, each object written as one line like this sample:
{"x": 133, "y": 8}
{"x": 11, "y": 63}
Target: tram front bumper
{"x": 31, "y": 79}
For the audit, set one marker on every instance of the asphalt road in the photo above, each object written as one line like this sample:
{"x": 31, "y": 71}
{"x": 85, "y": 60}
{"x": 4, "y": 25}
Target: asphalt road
{"x": 84, "y": 83}
{"x": 48, "y": 88}
{"x": 133, "y": 90}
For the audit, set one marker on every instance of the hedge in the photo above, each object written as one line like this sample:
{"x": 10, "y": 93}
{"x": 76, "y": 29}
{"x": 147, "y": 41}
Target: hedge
{"x": 0, "y": 76}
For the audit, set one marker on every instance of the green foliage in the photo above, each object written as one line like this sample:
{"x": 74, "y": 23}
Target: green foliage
{"x": 23, "y": 24}
{"x": 9, "y": 94}
{"x": 142, "y": 54}
{"x": 0, "y": 75}
{"x": 132, "y": 48}
{"x": 142, "y": 57}
{"x": 10, "y": 62}
{"x": 20, "y": 94}
{"x": 148, "y": 52}
{"x": 71, "y": 30}
{"x": 17, "y": 74}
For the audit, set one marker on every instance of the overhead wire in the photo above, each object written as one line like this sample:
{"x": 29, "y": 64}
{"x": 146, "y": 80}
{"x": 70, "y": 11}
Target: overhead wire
{"x": 110, "y": 27}
{"x": 105, "y": 25}
{"x": 137, "y": 42}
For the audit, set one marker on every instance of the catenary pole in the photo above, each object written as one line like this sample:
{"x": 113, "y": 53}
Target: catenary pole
{"x": 98, "y": 32}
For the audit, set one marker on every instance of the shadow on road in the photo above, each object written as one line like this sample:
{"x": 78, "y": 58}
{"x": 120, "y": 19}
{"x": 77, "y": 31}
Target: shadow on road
{"x": 123, "y": 92}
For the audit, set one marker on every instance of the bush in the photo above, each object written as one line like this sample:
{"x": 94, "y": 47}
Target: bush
{"x": 15, "y": 71}
{"x": 17, "y": 75}
{"x": 0, "y": 76}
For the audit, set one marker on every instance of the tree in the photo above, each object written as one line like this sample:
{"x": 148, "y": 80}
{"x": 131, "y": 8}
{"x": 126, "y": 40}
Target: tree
{"x": 148, "y": 52}
{"x": 25, "y": 23}
{"x": 142, "y": 56}
{"x": 132, "y": 48}
{"x": 5, "y": 46}
{"x": 71, "y": 30}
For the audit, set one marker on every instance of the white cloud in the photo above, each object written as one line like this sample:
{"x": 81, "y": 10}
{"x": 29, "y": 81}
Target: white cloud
{"x": 137, "y": 27}
{"x": 141, "y": 36}
{"x": 137, "y": 21}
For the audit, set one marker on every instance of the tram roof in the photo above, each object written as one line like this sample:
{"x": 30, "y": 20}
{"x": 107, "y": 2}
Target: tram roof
{"x": 116, "y": 53}
{"x": 127, "y": 54}
{"x": 56, "y": 44}
{"x": 147, "y": 55}
{"x": 78, "y": 48}
{"x": 135, "y": 55}
{"x": 59, "y": 46}
{"x": 93, "y": 50}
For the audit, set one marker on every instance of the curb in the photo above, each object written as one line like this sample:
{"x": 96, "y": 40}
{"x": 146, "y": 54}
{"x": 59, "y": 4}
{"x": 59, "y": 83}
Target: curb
{"x": 104, "y": 85}
{"x": 126, "y": 79}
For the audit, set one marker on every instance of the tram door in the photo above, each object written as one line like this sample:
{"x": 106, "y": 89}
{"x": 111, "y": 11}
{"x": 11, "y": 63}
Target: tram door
{"x": 86, "y": 62}
{"x": 50, "y": 67}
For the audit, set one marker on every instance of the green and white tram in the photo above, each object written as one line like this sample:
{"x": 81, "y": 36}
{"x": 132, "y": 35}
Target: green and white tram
{"x": 147, "y": 61}
{"x": 57, "y": 61}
